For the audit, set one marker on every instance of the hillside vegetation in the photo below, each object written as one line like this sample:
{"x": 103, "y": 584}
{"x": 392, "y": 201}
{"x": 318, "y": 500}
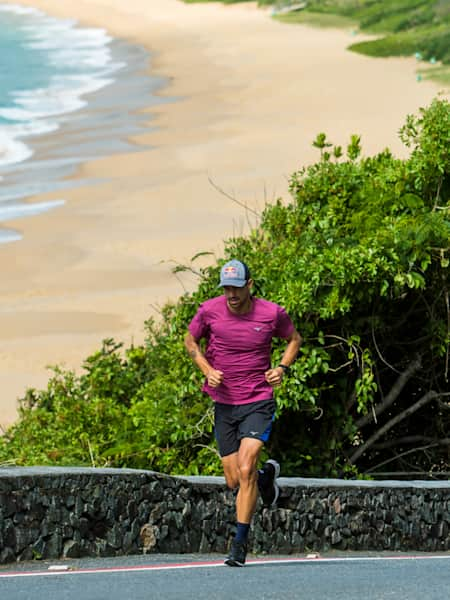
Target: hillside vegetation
{"x": 360, "y": 259}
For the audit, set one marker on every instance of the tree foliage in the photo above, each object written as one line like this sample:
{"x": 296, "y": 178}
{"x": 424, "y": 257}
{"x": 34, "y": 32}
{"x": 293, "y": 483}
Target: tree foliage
{"x": 360, "y": 259}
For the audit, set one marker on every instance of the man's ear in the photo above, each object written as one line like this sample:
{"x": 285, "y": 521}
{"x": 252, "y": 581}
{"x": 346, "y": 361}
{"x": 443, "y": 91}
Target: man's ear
{"x": 250, "y": 284}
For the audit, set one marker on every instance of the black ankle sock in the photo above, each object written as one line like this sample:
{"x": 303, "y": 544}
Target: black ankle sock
{"x": 242, "y": 530}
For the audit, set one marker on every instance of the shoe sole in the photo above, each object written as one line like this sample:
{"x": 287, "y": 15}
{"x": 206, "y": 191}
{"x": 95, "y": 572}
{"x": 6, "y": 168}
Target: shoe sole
{"x": 276, "y": 467}
{"x": 277, "y": 493}
{"x": 233, "y": 563}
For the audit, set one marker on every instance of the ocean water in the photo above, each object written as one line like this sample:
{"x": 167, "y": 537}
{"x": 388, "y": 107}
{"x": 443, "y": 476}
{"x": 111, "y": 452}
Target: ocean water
{"x": 67, "y": 94}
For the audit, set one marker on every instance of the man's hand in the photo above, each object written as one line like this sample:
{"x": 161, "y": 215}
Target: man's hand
{"x": 214, "y": 378}
{"x": 274, "y": 377}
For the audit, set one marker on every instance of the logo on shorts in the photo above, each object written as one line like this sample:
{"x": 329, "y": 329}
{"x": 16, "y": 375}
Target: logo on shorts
{"x": 254, "y": 433}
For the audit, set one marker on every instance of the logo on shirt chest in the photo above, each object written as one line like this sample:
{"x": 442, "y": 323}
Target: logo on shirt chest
{"x": 259, "y": 333}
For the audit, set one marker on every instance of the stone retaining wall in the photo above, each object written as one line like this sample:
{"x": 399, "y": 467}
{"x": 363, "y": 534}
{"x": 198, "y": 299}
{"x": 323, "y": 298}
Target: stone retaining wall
{"x": 73, "y": 512}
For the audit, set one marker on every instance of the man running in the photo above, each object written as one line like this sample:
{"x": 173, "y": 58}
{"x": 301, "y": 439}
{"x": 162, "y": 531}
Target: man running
{"x": 238, "y": 329}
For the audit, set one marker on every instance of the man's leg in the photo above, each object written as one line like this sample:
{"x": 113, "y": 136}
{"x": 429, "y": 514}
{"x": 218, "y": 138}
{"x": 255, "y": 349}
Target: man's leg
{"x": 240, "y": 469}
{"x": 248, "y": 457}
{"x": 241, "y": 433}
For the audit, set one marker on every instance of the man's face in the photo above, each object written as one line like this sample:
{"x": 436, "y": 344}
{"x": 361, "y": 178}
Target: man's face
{"x": 238, "y": 298}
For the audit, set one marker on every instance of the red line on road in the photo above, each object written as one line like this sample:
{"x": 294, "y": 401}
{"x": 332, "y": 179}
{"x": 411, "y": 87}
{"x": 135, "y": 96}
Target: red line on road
{"x": 62, "y": 569}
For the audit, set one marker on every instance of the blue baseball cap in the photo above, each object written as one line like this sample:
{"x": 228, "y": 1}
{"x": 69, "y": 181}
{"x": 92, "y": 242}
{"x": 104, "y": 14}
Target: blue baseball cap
{"x": 234, "y": 273}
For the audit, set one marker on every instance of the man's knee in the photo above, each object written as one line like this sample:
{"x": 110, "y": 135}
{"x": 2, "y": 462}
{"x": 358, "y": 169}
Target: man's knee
{"x": 232, "y": 481}
{"x": 247, "y": 471}
{"x": 242, "y": 474}
{"x": 247, "y": 460}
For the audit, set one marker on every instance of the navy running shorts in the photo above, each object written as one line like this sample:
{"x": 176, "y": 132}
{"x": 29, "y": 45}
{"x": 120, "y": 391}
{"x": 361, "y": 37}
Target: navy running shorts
{"x": 234, "y": 422}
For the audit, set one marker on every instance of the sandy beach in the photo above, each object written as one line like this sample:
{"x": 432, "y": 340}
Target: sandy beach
{"x": 248, "y": 96}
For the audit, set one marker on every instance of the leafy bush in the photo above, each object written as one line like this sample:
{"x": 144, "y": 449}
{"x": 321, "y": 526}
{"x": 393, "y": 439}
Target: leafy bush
{"x": 360, "y": 259}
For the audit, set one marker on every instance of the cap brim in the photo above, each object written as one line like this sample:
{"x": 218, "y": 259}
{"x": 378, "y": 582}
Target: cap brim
{"x": 233, "y": 283}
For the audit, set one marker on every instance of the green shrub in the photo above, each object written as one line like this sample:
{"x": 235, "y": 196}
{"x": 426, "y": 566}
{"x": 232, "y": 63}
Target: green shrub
{"x": 360, "y": 259}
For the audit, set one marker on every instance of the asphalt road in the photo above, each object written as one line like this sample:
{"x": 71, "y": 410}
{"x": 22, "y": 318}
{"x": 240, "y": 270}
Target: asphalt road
{"x": 348, "y": 576}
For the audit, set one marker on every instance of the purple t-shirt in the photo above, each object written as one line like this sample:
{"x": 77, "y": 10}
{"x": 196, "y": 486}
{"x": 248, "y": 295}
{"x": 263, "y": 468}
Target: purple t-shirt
{"x": 240, "y": 346}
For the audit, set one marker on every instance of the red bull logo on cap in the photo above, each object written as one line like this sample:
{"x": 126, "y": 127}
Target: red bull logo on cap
{"x": 229, "y": 272}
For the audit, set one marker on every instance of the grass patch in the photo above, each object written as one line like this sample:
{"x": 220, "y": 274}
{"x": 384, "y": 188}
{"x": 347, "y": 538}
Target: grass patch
{"x": 429, "y": 42}
{"x": 440, "y": 74}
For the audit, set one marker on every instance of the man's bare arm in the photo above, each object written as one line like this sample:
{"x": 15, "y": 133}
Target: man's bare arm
{"x": 213, "y": 376}
{"x": 275, "y": 376}
{"x": 290, "y": 354}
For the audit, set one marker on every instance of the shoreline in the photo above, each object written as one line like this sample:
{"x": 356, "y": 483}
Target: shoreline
{"x": 58, "y": 151}
{"x": 239, "y": 113}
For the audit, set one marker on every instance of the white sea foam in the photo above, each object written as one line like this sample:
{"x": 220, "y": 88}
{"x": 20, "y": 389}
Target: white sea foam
{"x": 9, "y": 235}
{"x": 17, "y": 211}
{"x": 80, "y": 63}
{"x": 18, "y": 9}
{"x": 60, "y": 65}
{"x": 12, "y": 150}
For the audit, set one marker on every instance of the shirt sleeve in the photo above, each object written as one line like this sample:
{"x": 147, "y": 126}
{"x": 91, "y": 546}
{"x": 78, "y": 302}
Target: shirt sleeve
{"x": 197, "y": 327}
{"x": 284, "y": 326}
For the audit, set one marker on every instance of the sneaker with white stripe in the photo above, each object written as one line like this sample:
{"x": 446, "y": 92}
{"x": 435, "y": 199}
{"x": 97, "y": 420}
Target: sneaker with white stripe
{"x": 267, "y": 484}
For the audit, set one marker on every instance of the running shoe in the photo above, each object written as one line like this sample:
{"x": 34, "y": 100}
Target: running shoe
{"x": 267, "y": 483}
{"x": 236, "y": 557}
